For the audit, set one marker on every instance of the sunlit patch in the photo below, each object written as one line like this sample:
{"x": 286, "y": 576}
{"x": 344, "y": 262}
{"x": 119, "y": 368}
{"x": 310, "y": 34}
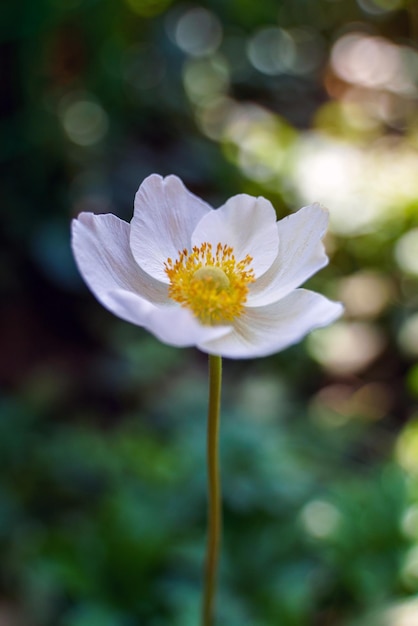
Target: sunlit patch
{"x": 409, "y": 522}
{"x": 379, "y": 7}
{"x": 212, "y": 115}
{"x": 210, "y": 282}
{"x": 206, "y": 79}
{"x": 363, "y": 188}
{"x": 374, "y": 63}
{"x": 346, "y": 347}
{"x": 260, "y": 397}
{"x": 365, "y": 60}
{"x": 365, "y": 294}
{"x": 406, "y": 252}
{"x": 328, "y": 406}
{"x": 320, "y": 518}
{"x": 409, "y": 571}
{"x": 274, "y": 51}
{"x": 258, "y": 141}
{"x": 333, "y": 172}
{"x": 84, "y": 120}
{"x": 335, "y": 405}
{"x": 271, "y": 50}
{"x": 399, "y": 614}
{"x": 407, "y": 447}
{"x": 408, "y": 335}
{"x": 198, "y": 32}
{"x": 353, "y": 116}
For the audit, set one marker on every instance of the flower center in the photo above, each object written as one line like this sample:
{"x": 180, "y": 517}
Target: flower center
{"x": 211, "y": 283}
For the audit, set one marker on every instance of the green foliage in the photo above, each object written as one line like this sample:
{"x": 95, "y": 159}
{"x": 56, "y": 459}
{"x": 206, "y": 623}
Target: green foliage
{"x": 107, "y": 525}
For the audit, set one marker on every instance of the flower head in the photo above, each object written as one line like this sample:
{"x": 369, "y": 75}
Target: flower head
{"x": 224, "y": 280}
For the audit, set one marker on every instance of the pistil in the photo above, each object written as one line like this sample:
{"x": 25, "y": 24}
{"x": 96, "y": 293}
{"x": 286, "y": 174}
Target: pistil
{"x": 212, "y": 284}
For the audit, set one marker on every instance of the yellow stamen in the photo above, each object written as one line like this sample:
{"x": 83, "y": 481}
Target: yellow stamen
{"x": 212, "y": 284}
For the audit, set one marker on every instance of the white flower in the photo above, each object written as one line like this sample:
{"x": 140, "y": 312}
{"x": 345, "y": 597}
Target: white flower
{"x": 223, "y": 280}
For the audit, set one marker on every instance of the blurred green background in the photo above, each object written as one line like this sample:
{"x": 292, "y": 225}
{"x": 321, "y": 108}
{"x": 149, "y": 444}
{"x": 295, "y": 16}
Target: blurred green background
{"x": 102, "y": 429}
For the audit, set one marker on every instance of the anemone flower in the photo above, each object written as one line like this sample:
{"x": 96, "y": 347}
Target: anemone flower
{"x": 225, "y": 280}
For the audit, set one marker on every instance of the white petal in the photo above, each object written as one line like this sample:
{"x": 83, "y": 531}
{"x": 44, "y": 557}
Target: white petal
{"x": 247, "y": 224}
{"x": 301, "y": 254}
{"x": 173, "y": 325}
{"x": 103, "y": 255}
{"x": 265, "y": 330}
{"x": 165, "y": 215}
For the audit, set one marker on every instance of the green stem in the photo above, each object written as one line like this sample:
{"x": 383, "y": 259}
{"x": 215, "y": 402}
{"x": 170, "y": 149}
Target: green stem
{"x": 214, "y": 489}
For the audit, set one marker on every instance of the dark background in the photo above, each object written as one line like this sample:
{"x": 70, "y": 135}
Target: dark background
{"x": 102, "y": 428}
